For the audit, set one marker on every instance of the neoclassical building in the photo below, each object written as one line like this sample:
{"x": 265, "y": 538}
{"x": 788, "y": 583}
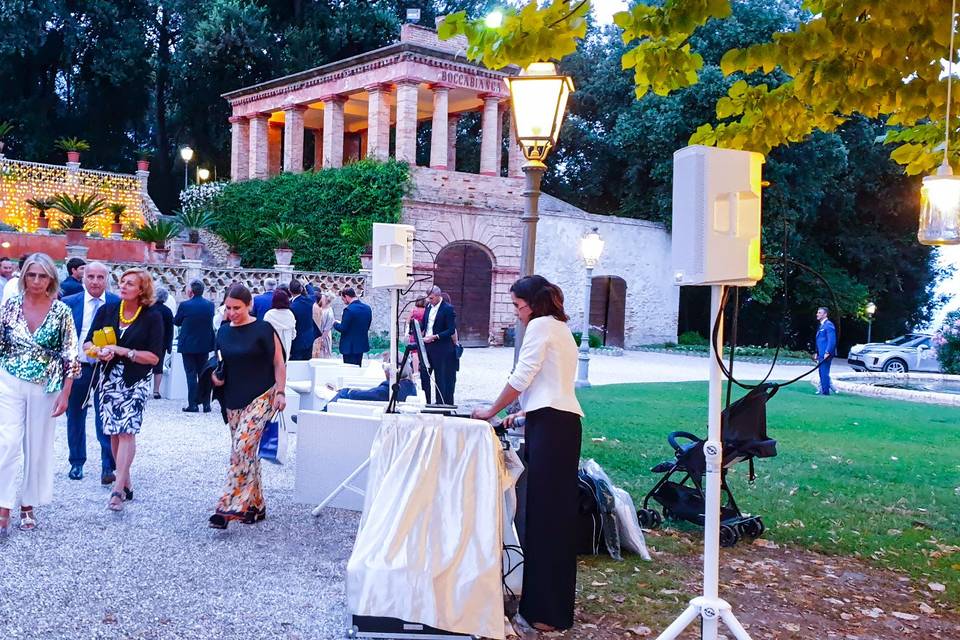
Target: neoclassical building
{"x": 468, "y": 224}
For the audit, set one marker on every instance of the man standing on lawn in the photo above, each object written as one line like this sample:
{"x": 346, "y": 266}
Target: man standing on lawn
{"x": 826, "y": 348}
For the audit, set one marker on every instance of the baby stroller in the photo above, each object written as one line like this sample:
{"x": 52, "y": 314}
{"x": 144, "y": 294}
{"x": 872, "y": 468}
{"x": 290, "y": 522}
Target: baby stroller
{"x": 744, "y": 432}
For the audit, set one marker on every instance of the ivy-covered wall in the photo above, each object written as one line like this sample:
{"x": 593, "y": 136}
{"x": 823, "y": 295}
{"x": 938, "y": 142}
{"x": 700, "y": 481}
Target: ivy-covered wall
{"x": 318, "y": 201}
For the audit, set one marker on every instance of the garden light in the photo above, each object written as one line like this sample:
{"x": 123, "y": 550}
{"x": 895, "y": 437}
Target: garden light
{"x": 539, "y": 99}
{"x": 203, "y": 174}
{"x": 591, "y": 246}
{"x": 186, "y": 153}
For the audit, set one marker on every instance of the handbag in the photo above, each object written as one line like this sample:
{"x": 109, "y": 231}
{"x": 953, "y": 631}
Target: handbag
{"x": 273, "y": 442}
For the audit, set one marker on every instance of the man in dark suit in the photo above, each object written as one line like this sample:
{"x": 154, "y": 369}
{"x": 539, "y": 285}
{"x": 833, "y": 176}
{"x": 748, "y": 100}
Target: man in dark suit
{"x": 71, "y": 285}
{"x": 196, "y": 341}
{"x": 826, "y": 348}
{"x": 161, "y": 305}
{"x": 264, "y": 301}
{"x": 354, "y": 327}
{"x": 439, "y": 325}
{"x": 302, "y": 307}
{"x": 84, "y": 306}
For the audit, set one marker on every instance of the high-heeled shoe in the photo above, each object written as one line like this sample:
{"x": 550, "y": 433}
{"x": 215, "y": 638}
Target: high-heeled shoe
{"x": 27, "y": 521}
{"x": 115, "y": 505}
{"x": 127, "y": 493}
{"x": 253, "y": 516}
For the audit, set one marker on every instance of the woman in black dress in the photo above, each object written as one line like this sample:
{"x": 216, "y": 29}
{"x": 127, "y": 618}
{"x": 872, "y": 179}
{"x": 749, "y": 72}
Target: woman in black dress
{"x": 253, "y": 377}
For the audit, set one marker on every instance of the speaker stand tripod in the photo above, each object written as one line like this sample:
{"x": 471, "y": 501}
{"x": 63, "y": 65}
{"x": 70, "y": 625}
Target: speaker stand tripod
{"x": 709, "y": 607}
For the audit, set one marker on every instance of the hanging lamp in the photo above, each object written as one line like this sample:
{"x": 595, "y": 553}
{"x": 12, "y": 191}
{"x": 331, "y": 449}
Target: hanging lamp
{"x": 940, "y": 194}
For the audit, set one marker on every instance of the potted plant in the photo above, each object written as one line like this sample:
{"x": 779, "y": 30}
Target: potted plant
{"x": 73, "y": 147}
{"x": 5, "y": 128}
{"x": 233, "y": 237}
{"x": 143, "y": 158}
{"x": 283, "y": 233}
{"x": 78, "y": 210}
{"x": 159, "y": 232}
{"x": 42, "y": 205}
{"x": 359, "y": 232}
{"x": 194, "y": 220}
{"x": 116, "y": 226}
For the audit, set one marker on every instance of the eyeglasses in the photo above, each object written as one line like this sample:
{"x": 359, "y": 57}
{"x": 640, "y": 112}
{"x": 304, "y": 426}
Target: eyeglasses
{"x": 36, "y": 276}
{"x": 519, "y": 306}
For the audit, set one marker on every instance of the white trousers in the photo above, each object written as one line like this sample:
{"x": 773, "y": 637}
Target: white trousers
{"x": 26, "y": 442}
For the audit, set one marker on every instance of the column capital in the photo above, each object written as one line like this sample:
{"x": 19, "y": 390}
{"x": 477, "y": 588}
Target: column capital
{"x": 378, "y": 86}
{"x": 334, "y": 97}
{"x": 296, "y": 107}
{"x": 263, "y": 115}
{"x": 237, "y": 119}
{"x": 407, "y": 82}
{"x": 440, "y": 86}
{"x": 488, "y": 97}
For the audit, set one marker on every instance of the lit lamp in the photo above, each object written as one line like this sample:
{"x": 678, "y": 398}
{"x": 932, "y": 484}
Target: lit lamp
{"x": 591, "y": 246}
{"x": 187, "y": 154}
{"x": 203, "y": 175}
{"x": 538, "y": 97}
{"x": 871, "y": 309}
{"x": 940, "y": 194}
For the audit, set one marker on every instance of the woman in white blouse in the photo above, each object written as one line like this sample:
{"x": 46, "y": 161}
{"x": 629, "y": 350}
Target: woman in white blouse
{"x": 282, "y": 320}
{"x": 543, "y": 381}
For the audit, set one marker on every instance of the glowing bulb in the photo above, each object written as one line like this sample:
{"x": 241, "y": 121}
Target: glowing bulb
{"x": 940, "y": 210}
{"x": 186, "y": 153}
{"x": 494, "y": 19}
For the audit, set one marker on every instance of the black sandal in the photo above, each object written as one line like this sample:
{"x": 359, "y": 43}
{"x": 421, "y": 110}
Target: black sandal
{"x": 127, "y": 493}
{"x": 253, "y": 516}
{"x": 218, "y": 521}
{"x": 118, "y": 505}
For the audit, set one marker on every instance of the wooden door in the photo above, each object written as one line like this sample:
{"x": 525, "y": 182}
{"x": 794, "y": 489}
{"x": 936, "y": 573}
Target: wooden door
{"x": 465, "y": 272}
{"x": 608, "y": 301}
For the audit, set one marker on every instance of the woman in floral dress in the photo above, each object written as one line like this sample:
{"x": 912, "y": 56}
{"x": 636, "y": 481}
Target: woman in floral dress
{"x": 38, "y": 363}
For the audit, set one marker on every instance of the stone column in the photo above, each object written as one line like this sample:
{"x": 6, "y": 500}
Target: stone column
{"x": 274, "y": 146}
{"x": 452, "y": 123}
{"x": 293, "y": 138}
{"x": 514, "y": 152}
{"x": 333, "y": 131}
{"x": 378, "y": 121}
{"x": 317, "y": 149}
{"x": 489, "y": 142}
{"x": 407, "y": 121}
{"x": 258, "y": 163}
{"x": 503, "y": 108}
{"x": 439, "y": 147}
{"x": 239, "y": 148}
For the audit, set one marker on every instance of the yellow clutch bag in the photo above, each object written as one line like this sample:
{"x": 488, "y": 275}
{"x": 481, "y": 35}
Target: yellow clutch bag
{"x": 102, "y": 338}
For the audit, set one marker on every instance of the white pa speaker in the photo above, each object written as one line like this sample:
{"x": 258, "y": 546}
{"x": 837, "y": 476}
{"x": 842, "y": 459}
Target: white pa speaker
{"x": 392, "y": 255}
{"x": 716, "y": 216}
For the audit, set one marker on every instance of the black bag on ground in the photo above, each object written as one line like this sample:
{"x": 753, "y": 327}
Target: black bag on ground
{"x": 596, "y": 517}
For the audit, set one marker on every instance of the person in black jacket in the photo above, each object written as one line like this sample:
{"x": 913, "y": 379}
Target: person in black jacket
{"x": 302, "y": 307}
{"x": 162, "y": 295}
{"x": 126, "y": 379}
{"x": 195, "y": 342}
{"x": 439, "y": 324}
{"x": 73, "y": 284}
{"x": 354, "y": 327}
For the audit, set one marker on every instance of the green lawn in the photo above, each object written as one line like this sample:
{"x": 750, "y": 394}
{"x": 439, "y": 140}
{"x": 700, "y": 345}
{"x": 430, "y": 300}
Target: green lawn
{"x": 856, "y": 476}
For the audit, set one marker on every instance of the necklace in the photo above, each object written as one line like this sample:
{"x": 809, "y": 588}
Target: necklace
{"x": 123, "y": 315}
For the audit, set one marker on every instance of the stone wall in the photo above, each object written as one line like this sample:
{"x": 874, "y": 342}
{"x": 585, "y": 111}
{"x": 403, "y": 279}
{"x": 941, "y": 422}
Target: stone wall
{"x": 636, "y": 250}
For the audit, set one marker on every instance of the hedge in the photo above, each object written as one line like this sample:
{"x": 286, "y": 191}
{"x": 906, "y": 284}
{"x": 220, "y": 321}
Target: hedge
{"x": 319, "y": 201}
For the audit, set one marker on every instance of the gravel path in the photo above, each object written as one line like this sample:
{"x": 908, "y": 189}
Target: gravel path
{"x": 157, "y": 571}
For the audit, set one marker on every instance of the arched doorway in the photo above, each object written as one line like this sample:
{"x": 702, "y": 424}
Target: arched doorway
{"x": 608, "y": 303}
{"x": 465, "y": 271}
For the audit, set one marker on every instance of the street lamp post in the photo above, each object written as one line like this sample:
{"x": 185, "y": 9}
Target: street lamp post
{"x": 539, "y": 99}
{"x": 203, "y": 174}
{"x": 871, "y": 309}
{"x": 591, "y": 246}
{"x": 187, "y": 154}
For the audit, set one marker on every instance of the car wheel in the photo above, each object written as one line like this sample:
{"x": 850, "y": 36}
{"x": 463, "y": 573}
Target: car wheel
{"x": 895, "y": 365}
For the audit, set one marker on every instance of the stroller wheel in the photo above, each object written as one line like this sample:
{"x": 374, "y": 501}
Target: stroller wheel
{"x": 754, "y": 527}
{"x": 728, "y": 536}
{"x": 649, "y": 518}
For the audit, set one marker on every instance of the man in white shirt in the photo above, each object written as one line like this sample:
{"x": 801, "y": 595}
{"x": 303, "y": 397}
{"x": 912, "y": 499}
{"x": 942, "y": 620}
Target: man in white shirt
{"x": 11, "y": 288}
{"x": 439, "y": 324}
{"x": 85, "y": 306}
{"x": 7, "y": 269}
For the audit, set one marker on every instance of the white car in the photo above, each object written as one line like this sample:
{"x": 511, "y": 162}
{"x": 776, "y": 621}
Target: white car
{"x": 910, "y": 352}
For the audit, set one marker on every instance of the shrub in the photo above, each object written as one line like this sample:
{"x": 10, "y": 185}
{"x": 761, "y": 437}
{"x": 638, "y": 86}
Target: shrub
{"x": 692, "y": 338}
{"x": 72, "y": 144}
{"x": 948, "y": 344}
{"x": 317, "y": 201}
{"x": 596, "y": 340}
{"x": 159, "y": 232}
{"x": 194, "y": 220}
{"x": 78, "y": 209}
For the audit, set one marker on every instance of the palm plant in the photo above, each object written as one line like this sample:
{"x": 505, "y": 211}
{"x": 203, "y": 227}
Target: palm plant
{"x": 78, "y": 209}
{"x": 72, "y": 144}
{"x": 42, "y": 205}
{"x": 358, "y": 231}
{"x": 194, "y": 220}
{"x": 283, "y": 233}
{"x": 5, "y": 128}
{"x": 116, "y": 209}
{"x": 145, "y": 153}
{"x": 158, "y": 232}
{"x": 234, "y": 237}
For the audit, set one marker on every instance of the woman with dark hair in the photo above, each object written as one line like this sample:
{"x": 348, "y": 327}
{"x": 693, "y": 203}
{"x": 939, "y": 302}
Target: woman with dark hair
{"x": 543, "y": 381}
{"x": 282, "y": 319}
{"x": 253, "y": 375}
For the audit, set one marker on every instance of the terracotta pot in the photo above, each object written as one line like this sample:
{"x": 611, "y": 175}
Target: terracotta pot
{"x": 143, "y": 165}
{"x": 283, "y": 256}
{"x": 73, "y": 156}
{"x": 233, "y": 260}
{"x": 43, "y": 222}
{"x": 191, "y": 251}
{"x": 75, "y": 237}
{"x": 116, "y": 227}
{"x": 160, "y": 253}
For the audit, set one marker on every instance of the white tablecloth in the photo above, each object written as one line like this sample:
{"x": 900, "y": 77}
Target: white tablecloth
{"x": 430, "y": 543}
